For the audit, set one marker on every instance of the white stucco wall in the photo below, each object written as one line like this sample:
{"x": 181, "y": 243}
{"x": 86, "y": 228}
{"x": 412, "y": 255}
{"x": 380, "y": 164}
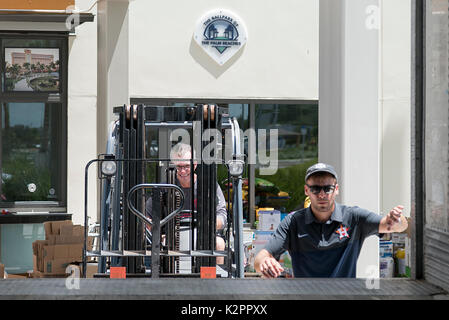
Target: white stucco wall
{"x": 82, "y": 116}
{"x": 395, "y": 104}
{"x": 279, "y": 60}
{"x": 365, "y": 105}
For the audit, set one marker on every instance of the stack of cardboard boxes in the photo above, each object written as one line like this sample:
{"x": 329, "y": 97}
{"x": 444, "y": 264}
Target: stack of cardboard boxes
{"x": 63, "y": 245}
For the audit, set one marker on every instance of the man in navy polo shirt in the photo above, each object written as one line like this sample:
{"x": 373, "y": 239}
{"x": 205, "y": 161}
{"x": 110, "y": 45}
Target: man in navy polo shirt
{"x": 324, "y": 240}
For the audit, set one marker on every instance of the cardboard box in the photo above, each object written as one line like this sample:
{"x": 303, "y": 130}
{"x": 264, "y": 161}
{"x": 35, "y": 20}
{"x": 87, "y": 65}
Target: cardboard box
{"x": 47, "y": 229}
{"x": 64, "y": 245}
{"x": 65, "y": 229}
{"x": 67, "y": 239}
{"x": 54, "y": 227}
{"x": 38, "y": 245}
{"x": 38, "y": 274}
{"x": 57, "y": 225}
{"x": 72, "y": 230}
{"x": 18, "y": 276}
{"x": 56, "y": 266}
{"x": 35, "y": 268}
{"x": 78, "y": 231}
{"x": 74, "y": 251}
{"x": 91, "y": 269}
{"x": 38, "y": 251}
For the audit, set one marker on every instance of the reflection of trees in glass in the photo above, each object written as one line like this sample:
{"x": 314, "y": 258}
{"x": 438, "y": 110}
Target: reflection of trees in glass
{"x": 26, "y": 157}
{"x": 32, "y": 134}
{"x": 290, "y": 180}
{"x": 297, "y": 128}
{"x": 19, "y": 138}
{"x": 21, "y": 172}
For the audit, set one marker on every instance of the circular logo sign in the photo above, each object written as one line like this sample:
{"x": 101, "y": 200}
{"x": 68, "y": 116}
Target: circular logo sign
{"x": 221, "y": 34}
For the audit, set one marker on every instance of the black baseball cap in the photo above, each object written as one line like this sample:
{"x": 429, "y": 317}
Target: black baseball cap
{"x": 320, "y": 167}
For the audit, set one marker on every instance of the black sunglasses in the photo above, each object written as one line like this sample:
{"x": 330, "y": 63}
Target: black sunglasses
{"x": 329, "y": 189}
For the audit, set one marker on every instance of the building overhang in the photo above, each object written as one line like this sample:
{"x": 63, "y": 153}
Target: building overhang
{"x": 42, "y": 20}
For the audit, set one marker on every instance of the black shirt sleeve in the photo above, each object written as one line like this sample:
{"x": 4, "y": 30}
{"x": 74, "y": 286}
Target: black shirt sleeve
{"x": 368, "y": 222}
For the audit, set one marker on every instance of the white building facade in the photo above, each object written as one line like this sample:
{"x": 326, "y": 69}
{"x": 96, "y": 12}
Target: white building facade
{"x": 348, "y": 60}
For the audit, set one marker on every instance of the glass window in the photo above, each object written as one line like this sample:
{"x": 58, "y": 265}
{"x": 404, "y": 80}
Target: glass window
{"x": 33, "y": 113}
{"x": 16, "y": 238}
{"x": 240, "y": 111}
{"x": 280, "y": 168}
{"x": 30, "y": 162}
{"x": 282, "y": 187}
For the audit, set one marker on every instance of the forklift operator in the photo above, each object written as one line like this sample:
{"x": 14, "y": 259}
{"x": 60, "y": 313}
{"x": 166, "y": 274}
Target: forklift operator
{"x": 179, "y": 153}
{"x": 324, "y": 239}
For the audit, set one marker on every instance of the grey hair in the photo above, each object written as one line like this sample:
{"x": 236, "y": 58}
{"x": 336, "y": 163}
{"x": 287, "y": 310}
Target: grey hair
{"x": 180, "y": 151}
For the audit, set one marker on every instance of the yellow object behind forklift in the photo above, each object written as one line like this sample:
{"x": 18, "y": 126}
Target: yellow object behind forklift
{"x": 307, "y": 202}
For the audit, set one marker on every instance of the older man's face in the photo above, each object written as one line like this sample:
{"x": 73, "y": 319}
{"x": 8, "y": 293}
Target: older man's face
{"x": 183, "y": 168}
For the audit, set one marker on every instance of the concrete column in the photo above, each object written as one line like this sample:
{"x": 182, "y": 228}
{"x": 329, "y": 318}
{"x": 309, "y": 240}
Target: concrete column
{"x": 113, "y": 63}
{"x": 349, "y": 126}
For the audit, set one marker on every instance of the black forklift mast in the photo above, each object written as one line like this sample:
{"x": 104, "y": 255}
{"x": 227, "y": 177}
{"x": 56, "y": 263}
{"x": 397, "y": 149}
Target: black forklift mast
{"x": 128, "y": 236}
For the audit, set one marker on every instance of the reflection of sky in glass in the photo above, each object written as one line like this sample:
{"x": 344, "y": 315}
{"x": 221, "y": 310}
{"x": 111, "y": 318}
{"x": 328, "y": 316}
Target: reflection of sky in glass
{"x": 20, "y": 114}
{"x": 236, "y": 110}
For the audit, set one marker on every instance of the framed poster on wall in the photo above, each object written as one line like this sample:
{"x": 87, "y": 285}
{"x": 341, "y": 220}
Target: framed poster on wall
{"x": 32, "y": 70}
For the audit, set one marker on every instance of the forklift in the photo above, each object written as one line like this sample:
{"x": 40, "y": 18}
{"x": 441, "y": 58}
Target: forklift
{"x": 136, "y": 168}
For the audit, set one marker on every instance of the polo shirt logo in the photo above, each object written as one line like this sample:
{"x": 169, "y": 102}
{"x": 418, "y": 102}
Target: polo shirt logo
{"x": 343, "y": 232}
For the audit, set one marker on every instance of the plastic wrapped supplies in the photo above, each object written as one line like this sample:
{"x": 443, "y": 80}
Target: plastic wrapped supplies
{"x": 386, "y": 267}
{"x": 386, "y": 261}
